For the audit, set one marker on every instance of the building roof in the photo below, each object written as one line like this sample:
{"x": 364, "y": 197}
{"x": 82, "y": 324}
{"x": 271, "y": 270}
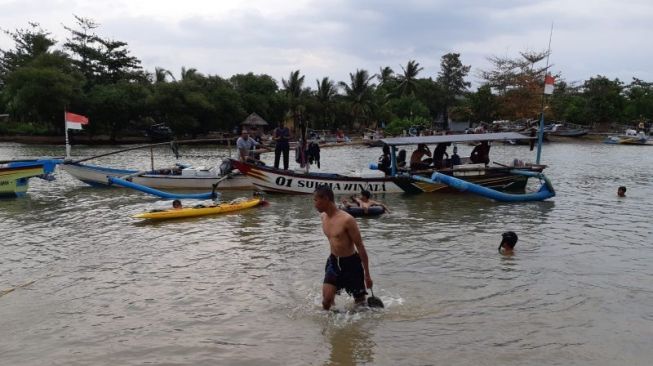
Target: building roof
{"x": 254, "y": 120}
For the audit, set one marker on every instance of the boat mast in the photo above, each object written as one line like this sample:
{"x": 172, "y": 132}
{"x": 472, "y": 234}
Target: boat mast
{"x": 540, "y": 135}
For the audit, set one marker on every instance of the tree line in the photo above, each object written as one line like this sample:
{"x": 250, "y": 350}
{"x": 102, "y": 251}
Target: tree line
{"x": 98, "y": 77}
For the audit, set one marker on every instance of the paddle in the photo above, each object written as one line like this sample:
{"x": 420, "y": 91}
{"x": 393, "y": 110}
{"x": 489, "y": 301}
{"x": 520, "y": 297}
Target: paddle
{"x": 373, "y": 301}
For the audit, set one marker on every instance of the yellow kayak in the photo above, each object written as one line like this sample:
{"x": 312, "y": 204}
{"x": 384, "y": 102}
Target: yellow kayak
{"x": 200, "y": 210}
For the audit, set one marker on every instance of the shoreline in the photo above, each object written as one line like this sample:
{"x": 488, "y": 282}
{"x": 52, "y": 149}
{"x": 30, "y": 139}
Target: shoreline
{"x": 129, "y": 140}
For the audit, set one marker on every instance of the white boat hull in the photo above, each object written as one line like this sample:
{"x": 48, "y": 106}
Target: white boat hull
{"x": 283, "y": 181}
{"x": 97, "y": 176}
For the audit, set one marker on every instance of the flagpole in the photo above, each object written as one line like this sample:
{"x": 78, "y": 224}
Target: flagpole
{"x": 540, "y": 135}
{"x": 65, "y": 127}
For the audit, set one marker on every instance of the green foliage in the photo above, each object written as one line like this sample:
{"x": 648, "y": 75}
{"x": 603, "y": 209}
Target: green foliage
{"x": 23, "y": 128}
{"x": 42, "y": 89}
{"x": 452, "y": 81}
{"x": 604, "y": 99}
{"x": 399, "y": 125}
{"x": 482, "y": 105}
{"x": 29, "y": 44}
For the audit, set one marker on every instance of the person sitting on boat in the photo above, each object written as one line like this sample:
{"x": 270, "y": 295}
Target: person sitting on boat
{"x": 508, "y": 242}
{"x": 364, "y": 202}
{"x": 246, "y": 148}
{"x": 384, "y": 160}
{"x": 176, "y": 204}
{"x": 401, "y": 159}
{"x": 481, "y": 153}
{"x": 621, "y": 191}
{"x": 455, "y": 158}
{"x": 416, "y": 162}
{"x": 438, "y": 154}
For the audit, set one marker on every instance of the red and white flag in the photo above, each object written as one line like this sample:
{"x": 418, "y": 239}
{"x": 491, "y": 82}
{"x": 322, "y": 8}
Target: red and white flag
{"x": 75, "y": 121}
{"x": 548, "y": 84}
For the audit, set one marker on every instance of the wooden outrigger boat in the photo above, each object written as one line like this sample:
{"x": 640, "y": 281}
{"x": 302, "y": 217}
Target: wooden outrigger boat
{"x": 179, "y": 176}
{"x": 500, "y": 177}
{"x": 15, "y": 175}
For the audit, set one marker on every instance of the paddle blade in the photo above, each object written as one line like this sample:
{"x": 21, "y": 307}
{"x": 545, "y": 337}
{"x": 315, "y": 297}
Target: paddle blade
{"x": 374, "y": 302}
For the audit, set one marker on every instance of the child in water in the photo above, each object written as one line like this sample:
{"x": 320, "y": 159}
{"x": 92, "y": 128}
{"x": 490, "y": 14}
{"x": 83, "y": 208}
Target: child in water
{"x": 621, "y": 192}
{"x": 508, "y": 241}
{"x": 176, "y": 204}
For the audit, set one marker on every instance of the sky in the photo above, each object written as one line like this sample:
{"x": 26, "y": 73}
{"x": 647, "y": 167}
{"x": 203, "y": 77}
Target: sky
{"x": 333, "y": 38}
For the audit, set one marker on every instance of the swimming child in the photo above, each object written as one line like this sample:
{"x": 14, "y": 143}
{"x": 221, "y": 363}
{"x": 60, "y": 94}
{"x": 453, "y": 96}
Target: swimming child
{"x": 508, "y": 241}
{"x": 621, "y": 192}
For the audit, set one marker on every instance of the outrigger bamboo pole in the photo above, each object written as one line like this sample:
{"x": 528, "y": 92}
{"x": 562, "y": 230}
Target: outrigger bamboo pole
{"x": 146, "y": 146}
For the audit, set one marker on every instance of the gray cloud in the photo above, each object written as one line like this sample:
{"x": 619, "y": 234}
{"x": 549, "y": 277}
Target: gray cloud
{"x": 337, "y": 37}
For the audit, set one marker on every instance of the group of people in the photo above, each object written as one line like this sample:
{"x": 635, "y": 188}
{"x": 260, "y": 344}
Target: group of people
{"x": 249, "y": 148}
{"x": 480, "y": 154}
{"x": 422, "y": 158}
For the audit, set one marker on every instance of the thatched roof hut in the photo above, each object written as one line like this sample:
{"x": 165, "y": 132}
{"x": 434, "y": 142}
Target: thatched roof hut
{"x": 254, "y": 120}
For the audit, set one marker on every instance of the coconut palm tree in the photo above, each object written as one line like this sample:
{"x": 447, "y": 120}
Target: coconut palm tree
{"x": 293, "y": 88}
{"x": 160, "y": 75}
{"x": 408, "y": 80}
{"x": 385, "y": 75}
{"x": 188, "y": 74}
{"x": 326, "y": 91}
{"x": 359, "y": 94}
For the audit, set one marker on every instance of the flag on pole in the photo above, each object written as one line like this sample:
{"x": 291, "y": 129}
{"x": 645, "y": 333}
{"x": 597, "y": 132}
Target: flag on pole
{"x": 75, "y": 121}
{"x": 548, "y": 84}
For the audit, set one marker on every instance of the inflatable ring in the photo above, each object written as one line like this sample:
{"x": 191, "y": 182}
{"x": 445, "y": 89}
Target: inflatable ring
{"x": 359, "y": 212}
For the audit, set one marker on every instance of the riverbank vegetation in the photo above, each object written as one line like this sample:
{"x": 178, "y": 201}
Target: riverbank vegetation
{"x": 98, "y": 77}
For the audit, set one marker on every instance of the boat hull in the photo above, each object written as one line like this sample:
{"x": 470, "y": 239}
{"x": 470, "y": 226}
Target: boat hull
{"x": 14, "y": 180}
{"x": 627, "y": 140}
{"x": 200, "y": 211}
{"x": 97, "y": 176}
{"x": 284, "y": 181}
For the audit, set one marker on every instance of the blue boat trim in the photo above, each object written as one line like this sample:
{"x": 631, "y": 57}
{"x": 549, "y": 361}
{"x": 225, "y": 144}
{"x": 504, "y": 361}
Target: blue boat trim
{"x": 546, "y": 189}
{"x": 162, "y": 194}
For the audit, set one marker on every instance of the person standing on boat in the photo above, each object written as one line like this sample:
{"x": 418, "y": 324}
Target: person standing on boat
{"x": 347, "y": 267}
{"x": 281, "y": 137}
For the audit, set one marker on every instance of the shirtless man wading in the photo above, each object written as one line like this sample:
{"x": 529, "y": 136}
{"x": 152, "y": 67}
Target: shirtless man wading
{"x": 347, "y": 267}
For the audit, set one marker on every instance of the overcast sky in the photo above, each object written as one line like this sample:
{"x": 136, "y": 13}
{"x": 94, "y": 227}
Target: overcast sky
{"x": 334, "y": 38}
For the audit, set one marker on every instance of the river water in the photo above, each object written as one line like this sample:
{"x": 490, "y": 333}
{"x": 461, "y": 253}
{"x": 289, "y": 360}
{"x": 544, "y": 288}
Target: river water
{"x": 82, "y": 283}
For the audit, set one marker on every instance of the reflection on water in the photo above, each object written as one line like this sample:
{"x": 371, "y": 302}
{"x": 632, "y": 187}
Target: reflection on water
{"x": 81, "y": 282}
{"x": 351, "y": 344}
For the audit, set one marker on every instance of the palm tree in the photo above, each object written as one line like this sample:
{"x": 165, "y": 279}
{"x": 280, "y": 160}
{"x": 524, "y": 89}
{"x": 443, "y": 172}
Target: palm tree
{"x": 385, "y": 75}
{"x": 326, "y": 91}
{"x": 188, "y": 74}
{"x": 160, "y": 75}
{"x": 359, "y": 94}
{"x": 408, "y": 80}
{"x": 293, "y": 87}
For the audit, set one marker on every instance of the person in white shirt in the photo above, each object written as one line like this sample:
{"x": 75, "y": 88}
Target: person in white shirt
{"x": 245, "y": 145}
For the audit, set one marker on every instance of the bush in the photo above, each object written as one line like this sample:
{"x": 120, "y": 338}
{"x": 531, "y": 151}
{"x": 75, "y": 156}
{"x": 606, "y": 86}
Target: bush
{"x": 23, "y": 128}
{"x": 399, "y": 125}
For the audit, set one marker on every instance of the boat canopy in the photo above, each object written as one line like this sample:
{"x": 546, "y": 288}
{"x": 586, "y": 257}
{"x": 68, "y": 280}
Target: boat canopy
{"x": 437, "y": 139}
